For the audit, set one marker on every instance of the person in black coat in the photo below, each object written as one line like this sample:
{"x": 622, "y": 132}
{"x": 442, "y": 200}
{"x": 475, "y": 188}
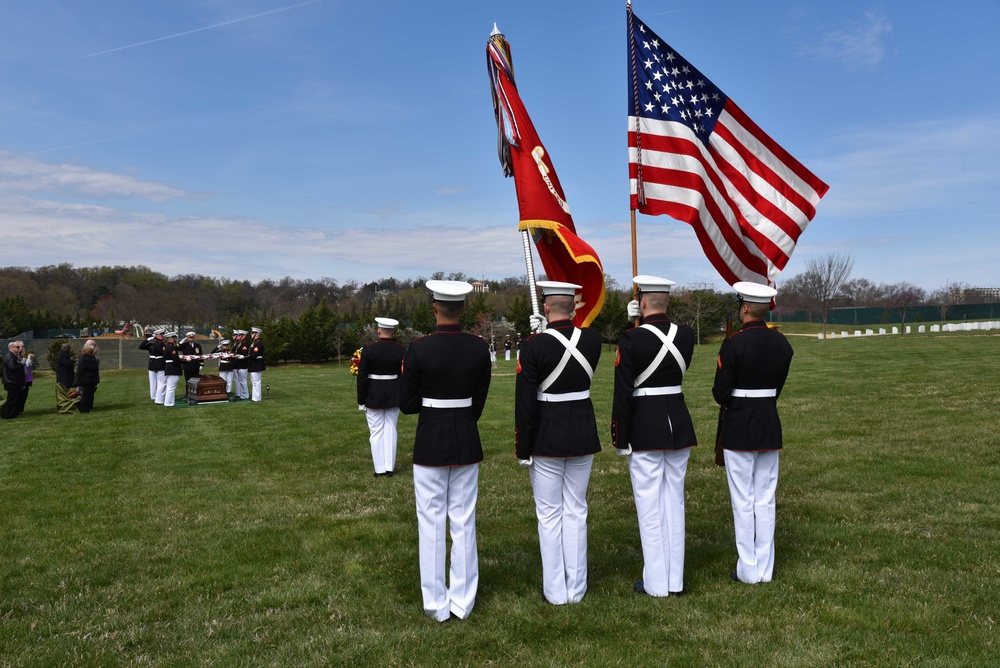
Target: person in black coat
{"x": 650, "y": 424}
{"x": 378, "y": 394}
{"x": 256, "y": 366}
{"x": 65, "y": 370}
{"x": 13, "y": 379}
{"x": 751, "y": 371}
{"x": 88, "y": 375}
{"x": 555, "y": 436}
{"x": 445, "y": 379}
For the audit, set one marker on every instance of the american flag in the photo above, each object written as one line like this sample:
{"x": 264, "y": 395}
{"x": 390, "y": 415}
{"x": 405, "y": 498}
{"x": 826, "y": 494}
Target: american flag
{"x": 695, "y": 156}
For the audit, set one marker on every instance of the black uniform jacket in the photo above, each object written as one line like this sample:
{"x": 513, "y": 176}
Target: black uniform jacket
{"x": 156, "y": 359}
{"x": 656, "y": 422}
{"x": 88, "y": 371}
{"x": 381, "y": 358}
{"x": 256, "y": 353}
{"x": 172, "y": 360}
{"x": 555, "y": 429}
{"x": 754, "y": 358}
{"x": 241, "y": 348}
{"x": 147, "y": 345}
{"x": 191, "y": 367}
{"x": 225, "y": 363}
{"x": 447, "y": 364}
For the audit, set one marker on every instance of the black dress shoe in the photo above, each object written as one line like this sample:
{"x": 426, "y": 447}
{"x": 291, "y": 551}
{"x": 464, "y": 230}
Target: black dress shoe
{"x": 734, "y": 577}
{"x": 678, "y": 593}
{"x": 638, "y": 588}
{"x": 390, "y": 473}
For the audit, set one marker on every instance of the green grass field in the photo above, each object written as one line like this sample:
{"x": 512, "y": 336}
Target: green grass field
{"x": 243, "y": 534}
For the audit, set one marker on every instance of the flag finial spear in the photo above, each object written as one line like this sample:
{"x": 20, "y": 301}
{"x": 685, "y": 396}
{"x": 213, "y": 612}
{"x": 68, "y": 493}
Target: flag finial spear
{"x": 496, "y": 31}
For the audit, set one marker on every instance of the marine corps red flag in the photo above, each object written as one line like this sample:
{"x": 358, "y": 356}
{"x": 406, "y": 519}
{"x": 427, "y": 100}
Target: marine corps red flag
{"x": 541, "y": 202}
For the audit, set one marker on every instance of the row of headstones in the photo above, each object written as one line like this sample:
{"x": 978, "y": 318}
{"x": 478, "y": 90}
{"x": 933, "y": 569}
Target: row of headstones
{"x": 922, "y": 329}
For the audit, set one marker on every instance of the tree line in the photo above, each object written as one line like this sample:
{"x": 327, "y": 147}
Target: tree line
{"x": 319, "y": 320}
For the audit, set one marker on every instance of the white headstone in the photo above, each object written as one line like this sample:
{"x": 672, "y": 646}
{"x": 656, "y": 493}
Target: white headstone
{"x": 921, "y": 329}
{"x": 895, "y": 330}
{"x": 869, "y": 332}
{"x": 907, "y": 329}
{"x": 857, "y": 332}
{"x": 881, "y": 331}
{"x": 935, "y": 329}
{"x": 844, "y": 334}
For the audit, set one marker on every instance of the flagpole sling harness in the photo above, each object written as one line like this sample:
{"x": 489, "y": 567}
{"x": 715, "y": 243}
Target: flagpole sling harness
{"x": 571, "y": 351}
{"x": 667, "y": 347}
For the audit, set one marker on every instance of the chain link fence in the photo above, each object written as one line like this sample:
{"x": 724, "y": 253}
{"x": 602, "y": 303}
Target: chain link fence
{"x": 114, "y": 353}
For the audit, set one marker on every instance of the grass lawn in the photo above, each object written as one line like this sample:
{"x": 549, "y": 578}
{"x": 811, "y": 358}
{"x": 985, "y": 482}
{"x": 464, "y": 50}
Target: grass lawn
{"x": 244, "y": 534}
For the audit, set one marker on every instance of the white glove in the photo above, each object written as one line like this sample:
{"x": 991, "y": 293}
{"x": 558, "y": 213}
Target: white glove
{"x": 526, "y": 462}
{"x": 624, "y": 452}
{"x": 361, "y": 407}
{"x": 537, "y": 323}
{"x": 633, "y": 309}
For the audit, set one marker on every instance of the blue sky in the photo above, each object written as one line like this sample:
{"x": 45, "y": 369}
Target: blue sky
{"x": 257, "y": 139}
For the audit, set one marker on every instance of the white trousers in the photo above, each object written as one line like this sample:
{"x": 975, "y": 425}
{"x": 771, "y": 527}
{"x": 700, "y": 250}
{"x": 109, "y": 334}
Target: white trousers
{"x": 255, "y": 380}
{"x": 382, "y": 425}
{"x": 241, "y": 383}
{"x": 753, "y": 481}
{"x": 560, "y": 488}
{"x": 447, "y": 494}
{"x": 170, "y": 390}
{"x": 506, "y": 355}
{"x": 658, "y": 488}
{"x": 161, "y": 387}
{"x": 228, "y": 377}
{"x": 152, "y": 385}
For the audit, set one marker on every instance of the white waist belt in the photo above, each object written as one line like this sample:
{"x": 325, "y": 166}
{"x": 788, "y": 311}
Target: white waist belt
{"x": 156, "y": 357}
{"x": 564, "y": 396}
{"x": 656, "y": 391}
{"x": 373, "y": 376}
{"x": 754, "y": 394}
{"x": 427, "y": 402}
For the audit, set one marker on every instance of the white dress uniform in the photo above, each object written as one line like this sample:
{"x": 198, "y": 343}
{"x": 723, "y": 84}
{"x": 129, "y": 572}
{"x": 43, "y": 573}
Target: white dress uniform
{"x": 651, "y": 424}
{"x": 378, "y": 395}
{"x": 751, "y": 371}
{"x": 445, "y": 379}
{"x": 556, "y": 438}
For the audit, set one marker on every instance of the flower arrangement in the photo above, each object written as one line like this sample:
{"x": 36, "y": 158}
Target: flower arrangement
{"x": 355, "y": 361}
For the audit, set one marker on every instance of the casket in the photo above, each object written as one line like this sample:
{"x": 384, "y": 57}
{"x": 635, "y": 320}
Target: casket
{"x": 206, "y": 388}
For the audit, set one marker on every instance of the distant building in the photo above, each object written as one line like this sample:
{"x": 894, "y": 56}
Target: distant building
{"x": 478, "y": 286}
{"x": 981, "y": 295}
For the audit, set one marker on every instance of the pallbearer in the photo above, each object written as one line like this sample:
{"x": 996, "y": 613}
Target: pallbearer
{"x": 556, "y": 438}
{"x": 378, "y": 394}
{"x": 225, "y": 364}
{"x": 172, "y": 368}
{"x": 190, "y": 347}
{"x": 256, "y": 365}
{"x": 752, "y": 368}
{"x": 650, "y": 424}
{"x": 157, "y": 364}
{"x": 241, "y": 363}
{"x": 445, "y": 379}
{"x": 147, "y": 344}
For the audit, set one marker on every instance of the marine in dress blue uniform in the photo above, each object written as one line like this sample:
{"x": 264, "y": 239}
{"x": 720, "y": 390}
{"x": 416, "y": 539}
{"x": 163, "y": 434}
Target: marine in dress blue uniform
{"x": 225, "y": 364}
{"x": 445, "y": 379}
{"x": 378, "y": 394}
{"x": 241, "y": 363}
{"x": 650, "y": 424}
{"x": 146, "y": 344}
{"x": 752, "y": 367}
{"x": 190, "y": 347}
{"x": 158, "y": 364}
{"x": 172, "y": 372}
{"x": 556, "y": 438}
{"x": 255, "y": 364}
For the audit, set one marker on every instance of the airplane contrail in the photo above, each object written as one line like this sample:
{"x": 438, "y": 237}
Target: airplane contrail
{"x": 217, "y": 25}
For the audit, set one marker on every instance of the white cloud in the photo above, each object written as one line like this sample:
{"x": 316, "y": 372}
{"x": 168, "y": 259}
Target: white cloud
{"x": 859, "y": 45}
{"x": 914, "y": 166}
{"x": 23, "y": 174}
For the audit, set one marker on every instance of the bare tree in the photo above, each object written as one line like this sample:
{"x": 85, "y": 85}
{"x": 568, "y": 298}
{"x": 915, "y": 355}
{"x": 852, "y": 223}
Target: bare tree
{"x": 903, "y": 295}
{"x": 820, "y": 284}
{"x": 947, "y": 296}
